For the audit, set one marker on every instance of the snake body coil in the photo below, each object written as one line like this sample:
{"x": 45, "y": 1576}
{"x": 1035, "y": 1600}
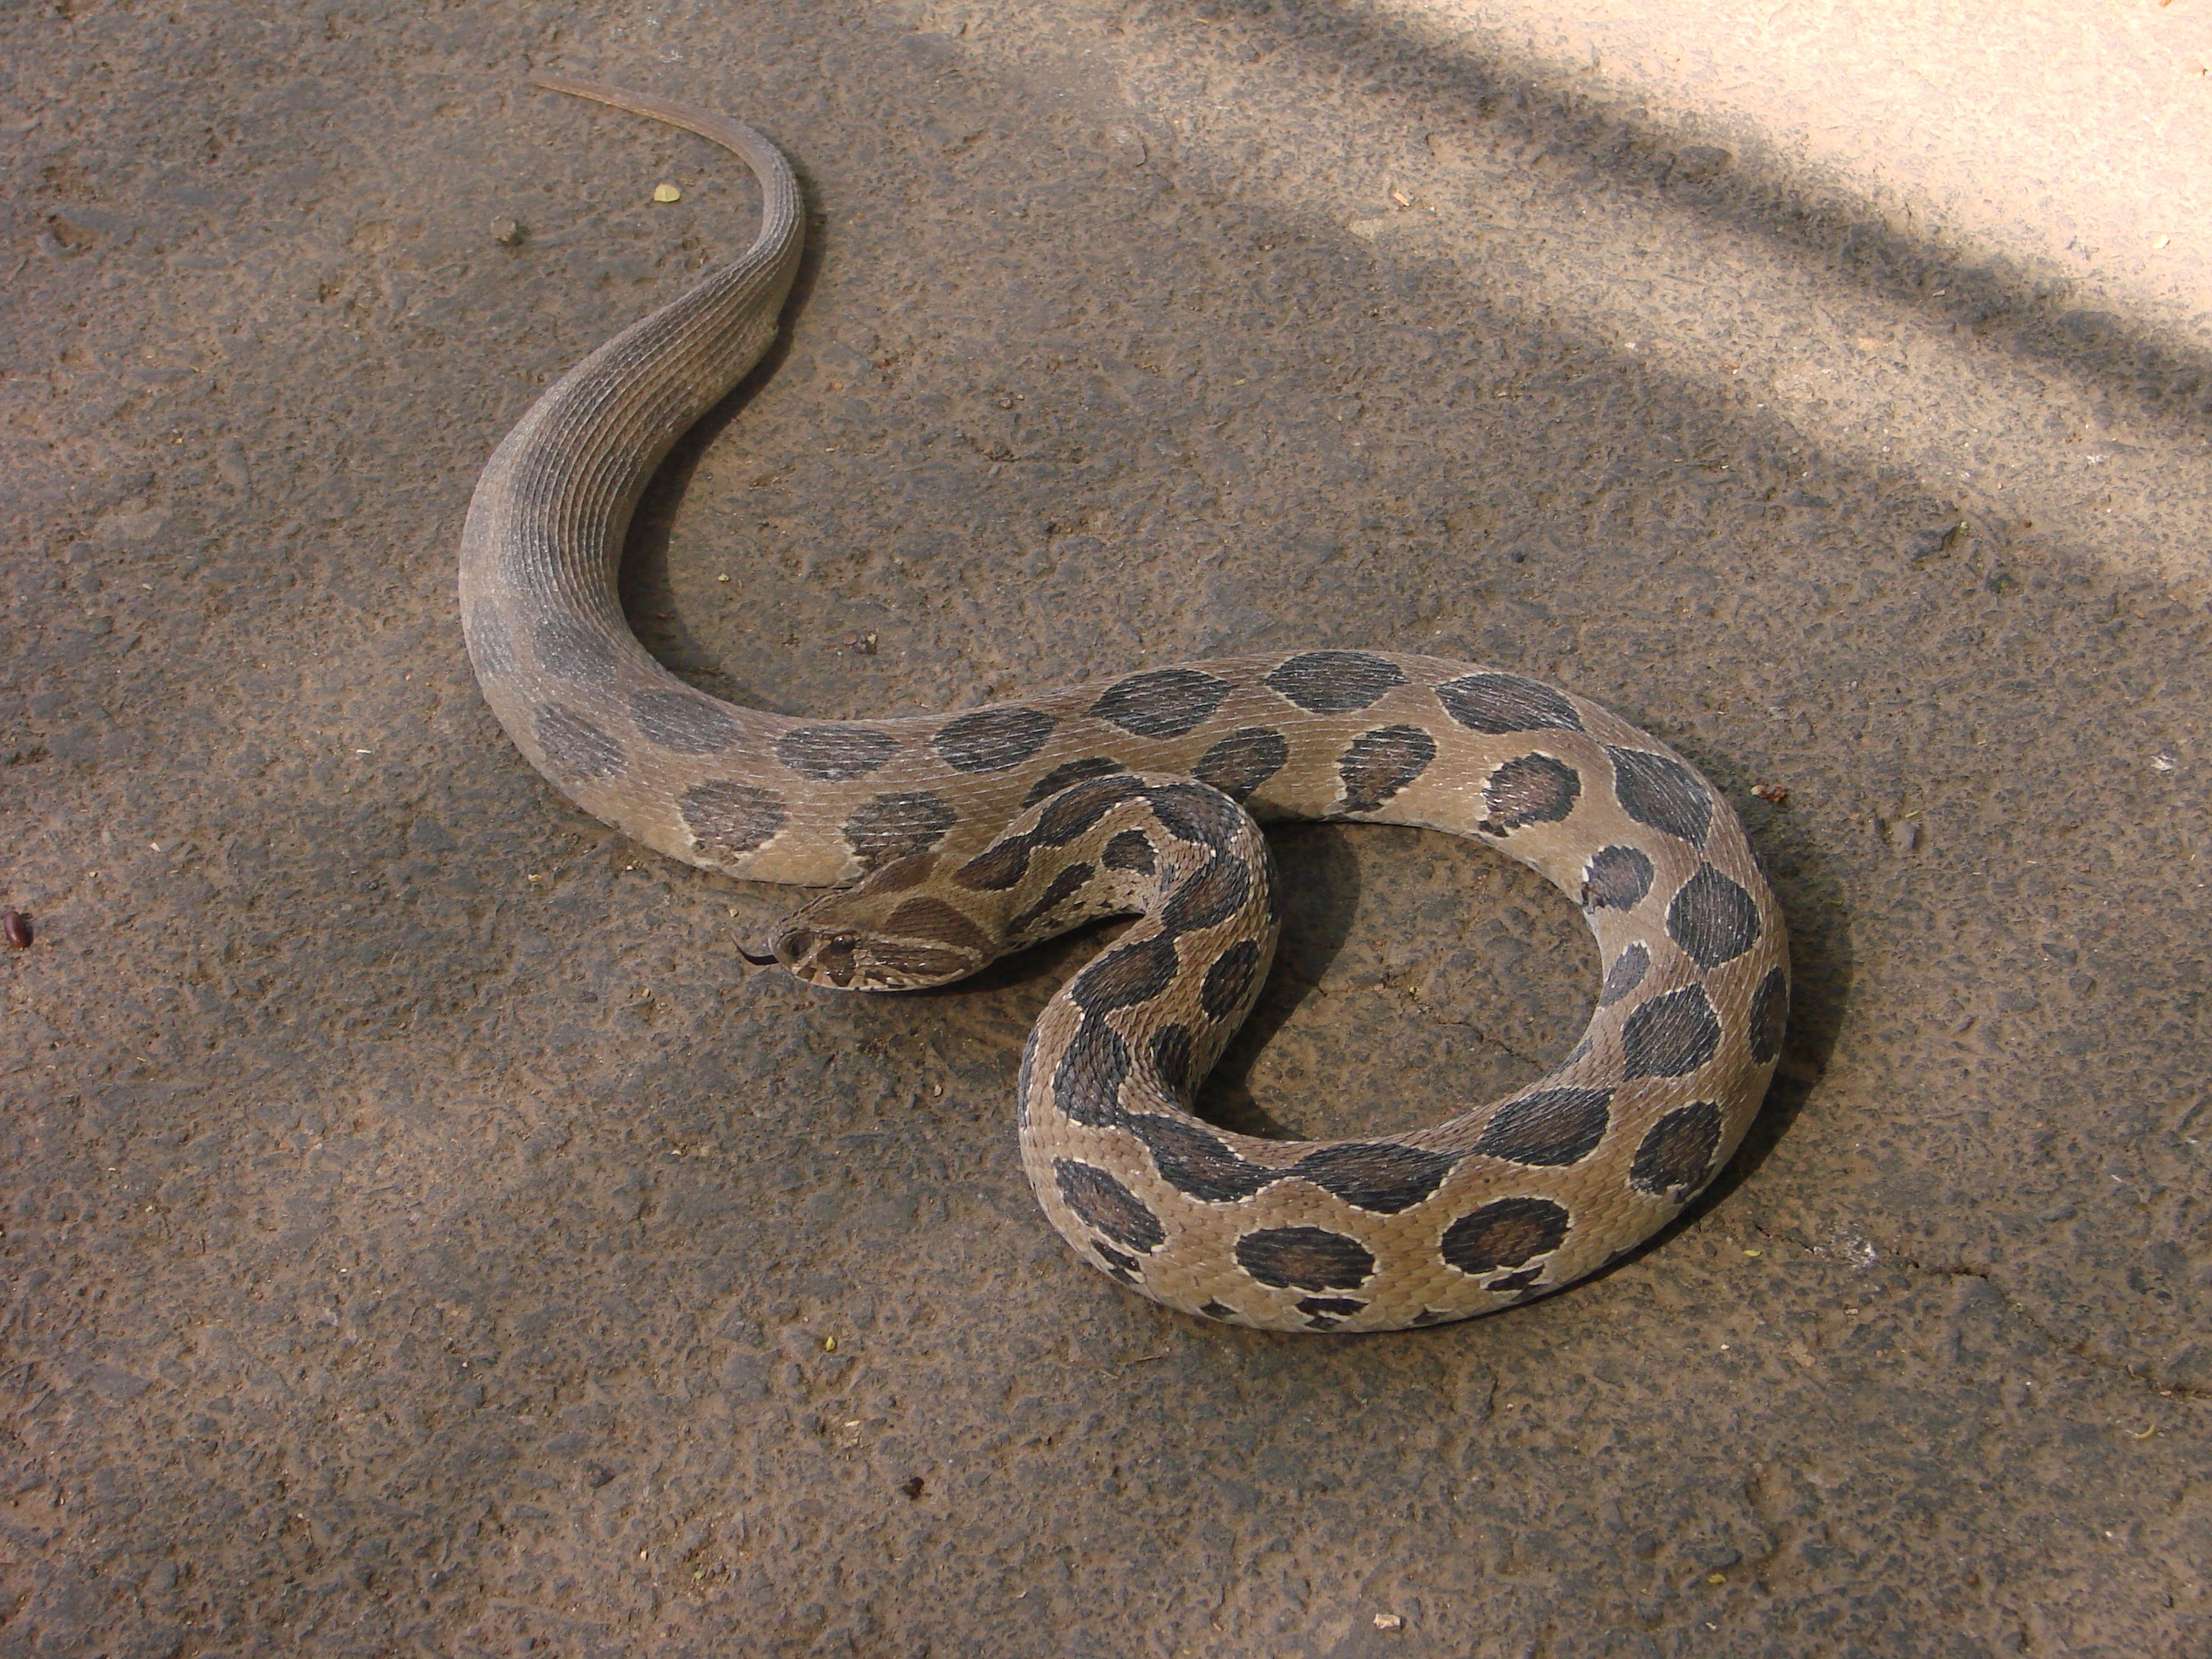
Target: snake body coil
{"x": 975, "y": 833}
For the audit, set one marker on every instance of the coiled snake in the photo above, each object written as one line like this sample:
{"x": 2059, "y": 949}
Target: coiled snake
{"x": 979, "y": 833}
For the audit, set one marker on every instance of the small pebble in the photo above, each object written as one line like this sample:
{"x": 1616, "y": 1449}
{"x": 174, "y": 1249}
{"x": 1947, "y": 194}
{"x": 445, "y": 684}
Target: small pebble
{"x": 17, "y": 929}
{"x": 508, "y": 233}
{"x": 1773, "y": 794}
{"x": 666, "y": 193}
{"x": 1388, "y": 1622}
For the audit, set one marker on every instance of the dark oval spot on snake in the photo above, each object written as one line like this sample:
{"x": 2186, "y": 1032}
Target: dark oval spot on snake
{"x": 1625, "y": 975}
{"x": 568, "y": 646}
{"x": 1228, "y": 983}
{"x": 1530, "y": 789}
{"x": 1550, "y": 1128}
{"x": 1662, "y": 792}
{"x": 894, "y": 826}
{"x": 991, "y": 739}
{"x": 997, "y": 867}
{"x": 934, "y": 920}
{"x": 1712, "y": 917}
{"x": 1381, "y": 763}
{"x": 686, "y": 722}
{"x": 1305, "y": 1258}
{"x": 576, "y": 749}
{"x": 1670, "y": 1036}
{"x": 1498, "y": 703}
{"x": 1243, "y": 760}
{"x": 1063, "y": 886}
{"x": 1081, "y": 806}
{"x": 1165, "y": 703}
{"x": 902, "y": 873}
{"x": 1086, "y": 1086}
{"x": 1770, "y": 1010}
{"x": 1675, "y": 1157}
{"x": 1376, "y": 1176}
{"x": 1616, "y": 879}
{"x": 1197, "y": 1163}
{"x": 1197, "y": 813}
{"x": 1334, "y": 681}
{"x": 1124, "y": 976}
{"x": 1129, "y": 851}
{"x": 835, "y": 753}
{"x": 1068, "y": 772}
{"x": 1213, "y": 895}
{"x": 727, "y": 818}
{"x": 1506, "y": 1233}
{"x": 1108, "y": 1205}
{"x": 1217, "y": 1310}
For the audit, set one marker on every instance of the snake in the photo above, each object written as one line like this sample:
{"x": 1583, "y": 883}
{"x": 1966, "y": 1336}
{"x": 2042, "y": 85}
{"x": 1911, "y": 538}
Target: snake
{"x": 946, "y": 841}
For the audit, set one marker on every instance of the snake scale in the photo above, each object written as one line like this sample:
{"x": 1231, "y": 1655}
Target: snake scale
{"x": 978, "y": 833}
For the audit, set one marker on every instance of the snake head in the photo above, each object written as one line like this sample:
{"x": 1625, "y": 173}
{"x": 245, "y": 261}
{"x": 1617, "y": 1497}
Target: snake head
{"x": 881, "y": 936}
{"x": 820, "y": 957}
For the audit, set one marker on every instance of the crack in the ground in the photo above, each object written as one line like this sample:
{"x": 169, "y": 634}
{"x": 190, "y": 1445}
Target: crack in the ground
{"x": 1476, "y": 1034}
{"x": 2164, "y": 1388}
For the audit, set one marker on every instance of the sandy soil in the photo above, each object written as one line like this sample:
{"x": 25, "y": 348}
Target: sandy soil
{"x": 424, "y": 1235}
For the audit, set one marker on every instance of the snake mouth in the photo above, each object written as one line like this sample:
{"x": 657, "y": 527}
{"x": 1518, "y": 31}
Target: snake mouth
{"x": 819, "y": 958}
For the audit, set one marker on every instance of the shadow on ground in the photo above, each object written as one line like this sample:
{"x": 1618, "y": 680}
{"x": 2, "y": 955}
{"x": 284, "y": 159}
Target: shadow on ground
{"x": 425, "y": 1235}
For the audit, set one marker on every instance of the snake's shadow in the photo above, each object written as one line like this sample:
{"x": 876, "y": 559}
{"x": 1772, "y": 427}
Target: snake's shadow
{"x": 1321, "y": 874}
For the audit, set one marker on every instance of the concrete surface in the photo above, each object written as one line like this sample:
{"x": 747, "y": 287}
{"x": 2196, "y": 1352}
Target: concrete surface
{"x": 424, "y": 1237}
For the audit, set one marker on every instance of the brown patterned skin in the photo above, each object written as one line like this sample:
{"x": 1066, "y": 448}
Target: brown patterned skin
{"x": 975, "y": 834}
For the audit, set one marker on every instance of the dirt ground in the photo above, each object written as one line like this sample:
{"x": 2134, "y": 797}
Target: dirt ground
{"x": 424, "y": 1235}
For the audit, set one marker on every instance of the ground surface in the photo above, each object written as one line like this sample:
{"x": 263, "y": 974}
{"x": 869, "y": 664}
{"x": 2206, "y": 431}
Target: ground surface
{"x": 423, "y": 1236}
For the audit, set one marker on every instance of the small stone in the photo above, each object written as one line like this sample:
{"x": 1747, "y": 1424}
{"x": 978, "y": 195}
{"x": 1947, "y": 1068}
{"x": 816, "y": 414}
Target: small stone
{"x": 231, "y": 467}
{"x": 17, "y": 927}
{"x": 1773, "y": 795}
{"x": 1902, "y": 834}
{"x": 509, "y": 233}
{"x": 1388, "y": 1622}
{"x": 666, "y": 193}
